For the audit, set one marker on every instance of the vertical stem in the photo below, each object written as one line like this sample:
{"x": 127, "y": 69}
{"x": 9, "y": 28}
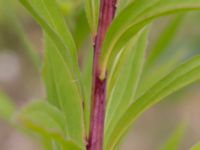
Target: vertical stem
{"x": 96, "y": 138}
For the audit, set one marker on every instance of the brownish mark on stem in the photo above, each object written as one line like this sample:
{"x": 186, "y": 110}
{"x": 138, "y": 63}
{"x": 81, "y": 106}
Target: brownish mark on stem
{"x": 98, "y": 107}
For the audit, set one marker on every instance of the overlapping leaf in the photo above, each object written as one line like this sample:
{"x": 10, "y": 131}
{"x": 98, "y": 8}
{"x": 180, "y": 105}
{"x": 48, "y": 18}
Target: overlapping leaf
{"x": 174, "y": 141}
{"x": 62, "y": 87}
{"x": 164, "y": 40}
{"x": 133, "y": 18}
{"x": 49, "y": 17}
{"x": 50, "y": 126}
{"x": 61, "y": 71}
{"x": 92, "y": 12}
{"x": 87, "y": 80}
{"x": 124, "y": 91}
{"x": 182, "y": 76}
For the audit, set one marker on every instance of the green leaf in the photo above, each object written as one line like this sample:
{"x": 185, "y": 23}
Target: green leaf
{"x": 182, "y": 76}
{"x": 127, "y": 83}
{"x": 133, "y": 18}
{"x": 156, "y": 72}
{"x": 164, "y": 39}
{"x": 87, "y": 79}
{"x": 175, "y": 138}
{"x": 9, "y": 11}
{"x": 92, "y": 12}
{"x": 46, "y": 121}
{"x": 196, "y": 147}
{"x": 63, "y": 92}
{"x": 7, "y": 107}
{"x": 45, "y": 115}
{"x": 61, "y": 70}
{"x": 119, "y": 62}
{"x": 47, "y": 14}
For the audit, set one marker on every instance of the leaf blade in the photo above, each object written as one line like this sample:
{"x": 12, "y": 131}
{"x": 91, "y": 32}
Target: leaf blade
{"x": 127, "y": 84}
{"x": 62, "y": 87}
{"x": 120, "y": 32}
{"x": 177, "y": 79}
{"x": 174, "y": 141}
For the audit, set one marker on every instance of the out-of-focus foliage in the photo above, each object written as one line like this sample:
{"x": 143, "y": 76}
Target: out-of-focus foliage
{"x": 10, "y": 20}
{"x": 196, "y": 147}
{"x": 136, "y": 81}
{"x": 173, "y": 143}
{"x": 7, "y": 107}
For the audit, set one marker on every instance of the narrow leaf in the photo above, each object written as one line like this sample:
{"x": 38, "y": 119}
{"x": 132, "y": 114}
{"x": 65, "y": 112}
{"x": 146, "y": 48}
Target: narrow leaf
{"x": 92, "y": 12}
{"x": 46, "y": 121}
{"x": 153, "y": 74}
{"x": 63, "y": 92}
{"x": 173, "y": 143}
{"x": 47, "y": 14}
{"x": 87, "y": 80}
{"x": 134, "y": 17}
{"x": 182, "y": 76}
{"x": 45, "y": 115}
{"x": 196, "y": 147}
{"x": 126, "y": 86}
{"x": 164, "y": 39}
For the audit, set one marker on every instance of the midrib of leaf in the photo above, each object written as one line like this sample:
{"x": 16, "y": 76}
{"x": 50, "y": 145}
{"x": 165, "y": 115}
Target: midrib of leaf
{"x": 54, "y": 56}
{"x": 180, "y": 77}
{"x": 69, "y": 37}
{"x": 59, "y": 97}
{"x": 55, "y": 38}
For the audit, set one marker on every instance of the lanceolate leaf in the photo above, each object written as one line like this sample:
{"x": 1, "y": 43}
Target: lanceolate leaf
{"x": 177, "y": 79}
{"x": 164, "y": 40}
{"x": 92, "y": 12}
{"x": 49, "y": 118}
{"x": 49, "y": 17}
{"x": 62, "y": 74}
{"x": 87, "y": 80}
{"x": 174, "y": 141}
{"x": 63, "y": 92}
{"x": 156, "y": 72}
{"x": 50, "y": 125}
{"x": 119, "y": 62}
{"x": 126, "y": 86}
{"x": 134, "y": 17}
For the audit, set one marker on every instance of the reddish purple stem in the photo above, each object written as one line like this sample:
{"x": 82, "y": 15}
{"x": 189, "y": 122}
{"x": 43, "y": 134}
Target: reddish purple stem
{"x": 96, "y": 138}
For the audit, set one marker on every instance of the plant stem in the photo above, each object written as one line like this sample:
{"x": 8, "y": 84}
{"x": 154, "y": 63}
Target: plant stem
{"x": 96, "y": 138}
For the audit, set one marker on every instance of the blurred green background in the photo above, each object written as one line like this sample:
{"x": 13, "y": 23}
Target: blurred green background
{"x": 21, "y": 53}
